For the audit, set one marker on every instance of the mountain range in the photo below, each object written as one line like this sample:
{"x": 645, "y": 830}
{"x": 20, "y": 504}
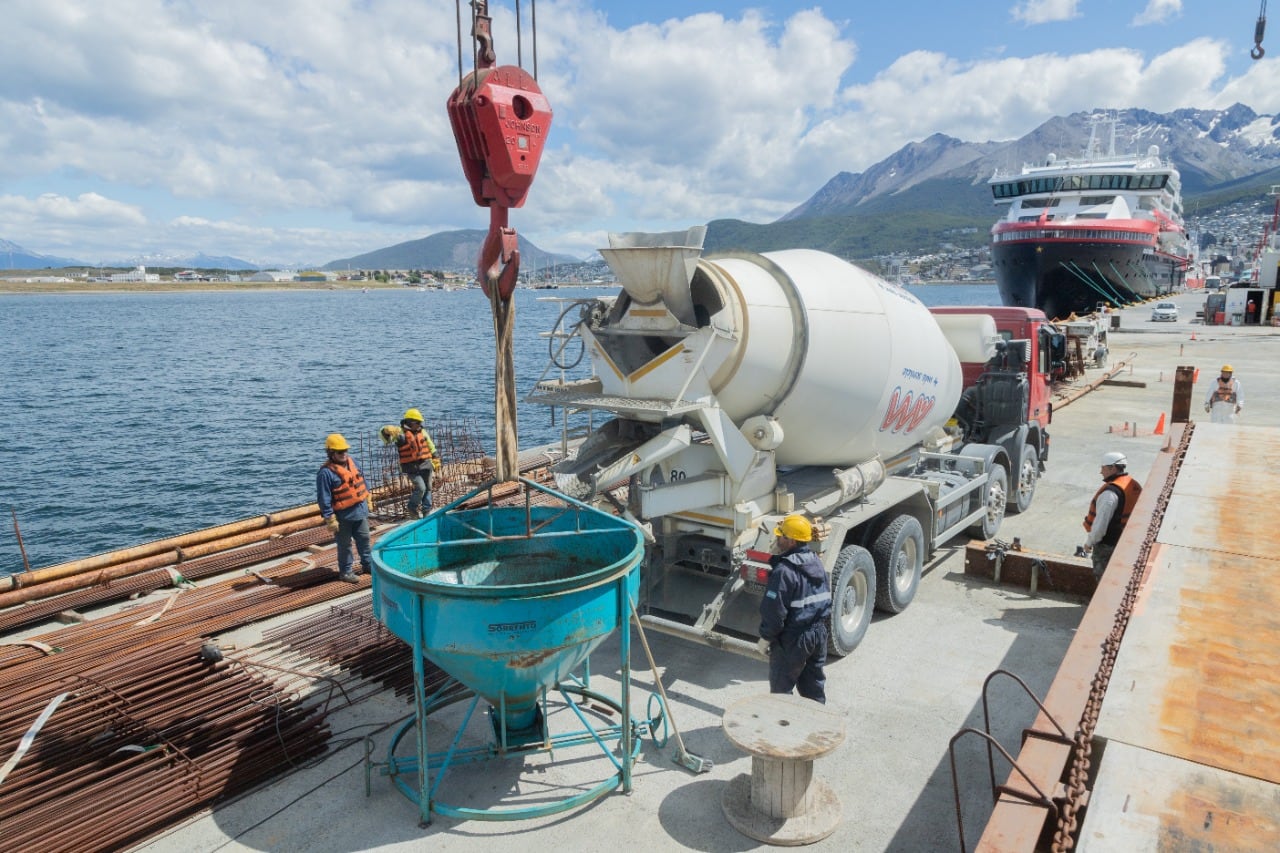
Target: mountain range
{"x": 926, "y": 194}
{"x": 447, "y": 250}
{"x": 14, "y": 257}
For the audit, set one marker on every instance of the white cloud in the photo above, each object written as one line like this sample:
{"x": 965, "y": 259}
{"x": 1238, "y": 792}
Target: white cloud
{"x": 237, "y": 127}
{"x": 1157, "y": 12}
{"x": 1046, "y": 11}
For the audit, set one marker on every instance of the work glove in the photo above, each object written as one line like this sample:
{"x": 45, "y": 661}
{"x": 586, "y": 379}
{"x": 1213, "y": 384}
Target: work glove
{"x": 1207, "y": 408}
{"x": 763, "y": 645}
{"x": 435, "y": 463}
{"x": 391, "y": 434}
{"x": 332, "y": 523}
{"x": 369, "y": 502}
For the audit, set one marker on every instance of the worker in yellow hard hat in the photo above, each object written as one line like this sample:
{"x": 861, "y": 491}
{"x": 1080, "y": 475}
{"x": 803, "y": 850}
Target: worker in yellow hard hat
{"x": 418, "y": 458}
{"x": 794, "y": 613}
{"x": 344, "y": 505}
{"x": 1224, "y": 400}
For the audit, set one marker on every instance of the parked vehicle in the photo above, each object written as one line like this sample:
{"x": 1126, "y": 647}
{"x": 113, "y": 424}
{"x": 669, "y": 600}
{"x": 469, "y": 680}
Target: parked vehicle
{"x": 745, "y": 387}
{"x": 1164, "y": 311}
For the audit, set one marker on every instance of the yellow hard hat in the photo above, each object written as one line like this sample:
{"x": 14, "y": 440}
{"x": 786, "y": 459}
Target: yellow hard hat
{"x": 335, "y": 441}
{"x": 1226, "y": 368}
{"x": 412, "y": 415}
{"x": 795, "y": 527}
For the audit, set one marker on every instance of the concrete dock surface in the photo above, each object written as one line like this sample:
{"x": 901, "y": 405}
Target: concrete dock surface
{"x": 913, "y": 683}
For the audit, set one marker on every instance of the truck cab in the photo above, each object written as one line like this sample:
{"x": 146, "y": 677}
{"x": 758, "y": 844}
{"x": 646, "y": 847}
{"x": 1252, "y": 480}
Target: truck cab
{"x": 1043, "y": 340}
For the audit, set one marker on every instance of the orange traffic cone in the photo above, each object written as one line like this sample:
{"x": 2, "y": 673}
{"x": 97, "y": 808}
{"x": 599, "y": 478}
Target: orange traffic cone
{"x": 1160, "y": 425}
{"x": 1193, "y": 336}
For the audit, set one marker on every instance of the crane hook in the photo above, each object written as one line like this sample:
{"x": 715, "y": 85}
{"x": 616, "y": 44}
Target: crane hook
{"x": 1258, "y": 29}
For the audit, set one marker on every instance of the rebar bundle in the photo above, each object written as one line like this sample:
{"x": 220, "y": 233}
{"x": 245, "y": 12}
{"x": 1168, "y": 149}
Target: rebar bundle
{"x": 140, "y": 742}
{"x": 163, "y": 724}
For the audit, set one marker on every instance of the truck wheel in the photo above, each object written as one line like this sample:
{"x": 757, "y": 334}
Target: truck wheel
{"x": 996, "y": 496}
{"x": 1028, "y": 474}
{"x": 899, "y": 558}
{"x": 853, "y": 583}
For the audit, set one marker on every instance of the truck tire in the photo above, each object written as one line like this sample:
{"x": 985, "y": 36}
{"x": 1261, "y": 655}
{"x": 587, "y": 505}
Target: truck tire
{"x": 1028, "y": 473}
{"x": 853, "y": 584}
{"x": 996, "y": 495}
{"x": 899, "y": 556}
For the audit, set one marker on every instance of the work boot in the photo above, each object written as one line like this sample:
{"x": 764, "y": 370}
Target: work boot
{"x": 348, "y": 577}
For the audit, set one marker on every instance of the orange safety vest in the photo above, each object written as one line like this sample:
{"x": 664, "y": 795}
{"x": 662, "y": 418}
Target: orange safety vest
{"x": 1224, "y": 393}
{"x": 352, "y": 489}
{"x": 415, "y": 450}
{"x": 1127, "y": 489}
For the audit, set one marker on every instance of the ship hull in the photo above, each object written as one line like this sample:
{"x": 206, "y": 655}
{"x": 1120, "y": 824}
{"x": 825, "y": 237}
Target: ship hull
{"x": 1064, "y": 276}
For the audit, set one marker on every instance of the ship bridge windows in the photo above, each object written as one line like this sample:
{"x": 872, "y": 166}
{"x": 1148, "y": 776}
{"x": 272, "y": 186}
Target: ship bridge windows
{"x": 1060, "y": 183}
{"x": 1070, "y": 233}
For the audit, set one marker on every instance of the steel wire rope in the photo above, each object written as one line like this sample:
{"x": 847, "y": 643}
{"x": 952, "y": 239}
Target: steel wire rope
{"x": 583, "y": 306}
{"x": 381, "y": 728}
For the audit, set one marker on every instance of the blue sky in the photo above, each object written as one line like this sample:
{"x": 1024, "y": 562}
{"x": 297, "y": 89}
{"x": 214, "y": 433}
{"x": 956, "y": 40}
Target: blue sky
{"x": 300, "y": 131}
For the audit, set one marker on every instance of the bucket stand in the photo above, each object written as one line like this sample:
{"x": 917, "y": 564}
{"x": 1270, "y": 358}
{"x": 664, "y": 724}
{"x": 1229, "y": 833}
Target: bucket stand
{"x": 422, "y": 787}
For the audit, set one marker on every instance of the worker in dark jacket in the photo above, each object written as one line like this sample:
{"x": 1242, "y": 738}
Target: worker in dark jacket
{"x": 794, "y": 612}
{"x": 344, "y": 505}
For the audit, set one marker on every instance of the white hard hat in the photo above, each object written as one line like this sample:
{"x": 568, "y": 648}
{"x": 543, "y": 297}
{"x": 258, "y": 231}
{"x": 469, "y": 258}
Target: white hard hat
{"x": 1114, "y": 457}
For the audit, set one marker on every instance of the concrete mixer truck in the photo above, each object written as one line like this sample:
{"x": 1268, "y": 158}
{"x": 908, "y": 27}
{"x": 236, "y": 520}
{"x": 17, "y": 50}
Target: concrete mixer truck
{"x": 743, "y": 387}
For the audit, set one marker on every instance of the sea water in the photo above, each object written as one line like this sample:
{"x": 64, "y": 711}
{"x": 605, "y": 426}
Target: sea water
{"x": 129, "y": 417}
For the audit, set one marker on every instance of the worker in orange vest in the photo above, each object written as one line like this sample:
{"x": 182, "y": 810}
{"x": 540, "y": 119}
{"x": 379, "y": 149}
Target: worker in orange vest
{"x": 1110, "y": 510}
{"x": 344, "y": 505}
{"x": 418, "y": 458}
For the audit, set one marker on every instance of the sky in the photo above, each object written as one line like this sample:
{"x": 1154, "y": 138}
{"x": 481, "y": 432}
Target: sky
{"x": 296, "y": 132}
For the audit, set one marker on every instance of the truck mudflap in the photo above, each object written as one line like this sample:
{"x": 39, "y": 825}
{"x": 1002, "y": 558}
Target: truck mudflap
{"x": 714, "y": 639}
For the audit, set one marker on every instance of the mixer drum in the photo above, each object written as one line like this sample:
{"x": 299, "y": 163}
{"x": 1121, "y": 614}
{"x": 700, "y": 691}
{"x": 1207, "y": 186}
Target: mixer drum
{"x": 850, "y": 365}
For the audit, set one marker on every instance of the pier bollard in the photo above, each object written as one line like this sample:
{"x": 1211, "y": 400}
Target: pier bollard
{"x": 780, "y": 801}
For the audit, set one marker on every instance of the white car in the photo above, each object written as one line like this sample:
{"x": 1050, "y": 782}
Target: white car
{"x": 1164, "y": 311}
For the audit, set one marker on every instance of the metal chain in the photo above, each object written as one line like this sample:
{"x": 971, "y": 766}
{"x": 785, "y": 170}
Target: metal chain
{"x": 1064, "y": 837}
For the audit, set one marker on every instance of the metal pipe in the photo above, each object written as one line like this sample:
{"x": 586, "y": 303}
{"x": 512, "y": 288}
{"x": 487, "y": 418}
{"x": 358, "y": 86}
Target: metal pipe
{"x": 27, "y": 590}
{"x": 186, "y": 540}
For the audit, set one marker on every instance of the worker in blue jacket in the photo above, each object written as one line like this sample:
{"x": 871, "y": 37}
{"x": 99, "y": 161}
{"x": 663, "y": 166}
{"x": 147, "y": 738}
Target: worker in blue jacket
{"x": 344, "y": 501}
{"x": 794, "y": 613}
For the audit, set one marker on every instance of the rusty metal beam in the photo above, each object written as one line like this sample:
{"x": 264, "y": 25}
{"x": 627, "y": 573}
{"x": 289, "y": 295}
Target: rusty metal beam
{"x": 1017, "y": 826}
{"x": 1036, "y": 570}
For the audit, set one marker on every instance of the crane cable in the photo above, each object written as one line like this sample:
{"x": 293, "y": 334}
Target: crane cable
{"x": 1258, "y": 29}
{"x": 502, "y": 307}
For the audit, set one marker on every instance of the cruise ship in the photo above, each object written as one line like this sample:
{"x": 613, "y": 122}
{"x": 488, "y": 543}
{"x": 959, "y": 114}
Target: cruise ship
{"x": 1100, "y": 228}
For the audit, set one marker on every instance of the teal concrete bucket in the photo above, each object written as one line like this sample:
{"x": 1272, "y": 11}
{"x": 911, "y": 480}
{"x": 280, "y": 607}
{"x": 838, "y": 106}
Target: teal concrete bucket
{"x": 508, "y": 600}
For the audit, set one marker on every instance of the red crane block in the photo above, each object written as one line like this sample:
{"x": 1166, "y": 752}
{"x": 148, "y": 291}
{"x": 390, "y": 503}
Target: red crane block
{"x": 500, "y": 120}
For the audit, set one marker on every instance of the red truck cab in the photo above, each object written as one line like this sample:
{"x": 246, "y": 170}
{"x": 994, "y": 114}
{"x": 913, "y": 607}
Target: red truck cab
{"x": 992, "y": 407}
{"x": 1020, "y": 324}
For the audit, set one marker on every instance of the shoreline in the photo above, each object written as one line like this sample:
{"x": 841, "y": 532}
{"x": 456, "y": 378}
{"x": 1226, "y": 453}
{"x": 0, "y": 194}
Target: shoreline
{"x": 14, "y": 287}
{"x": 9, "y": 286}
